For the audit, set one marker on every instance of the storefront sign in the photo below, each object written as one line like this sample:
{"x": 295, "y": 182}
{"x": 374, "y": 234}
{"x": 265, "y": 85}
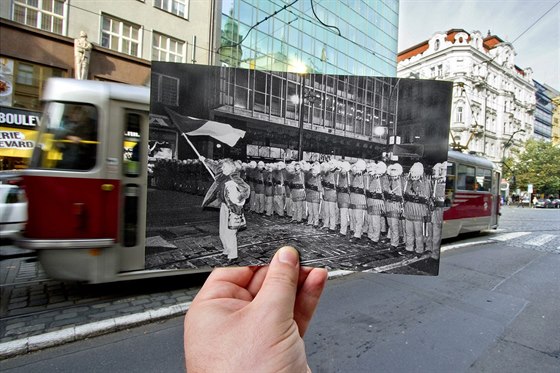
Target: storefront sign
{"x": 18, "y": 118}
{"x": 17, "y": 132}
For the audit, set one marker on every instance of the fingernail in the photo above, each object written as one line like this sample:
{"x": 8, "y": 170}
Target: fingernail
{"x": 288, "y": 255}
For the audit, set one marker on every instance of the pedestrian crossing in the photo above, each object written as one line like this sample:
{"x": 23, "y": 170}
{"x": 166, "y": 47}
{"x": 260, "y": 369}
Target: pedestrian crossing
{"x": 536, "y": 240}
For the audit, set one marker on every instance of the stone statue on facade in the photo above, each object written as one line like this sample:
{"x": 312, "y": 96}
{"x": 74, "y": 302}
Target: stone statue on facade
{"x": 82, "y": 51}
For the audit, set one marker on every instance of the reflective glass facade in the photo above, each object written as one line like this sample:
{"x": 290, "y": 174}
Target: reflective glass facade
{"x": 356, "y": 37}
{"x": 543, "y": 114}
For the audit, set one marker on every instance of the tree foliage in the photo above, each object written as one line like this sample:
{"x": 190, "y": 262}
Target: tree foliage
{"x": 538, "y": 164}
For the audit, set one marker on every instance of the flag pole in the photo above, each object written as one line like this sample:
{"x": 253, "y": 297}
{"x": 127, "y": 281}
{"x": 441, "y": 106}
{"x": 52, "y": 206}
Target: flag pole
{"x": 198, "y": 154}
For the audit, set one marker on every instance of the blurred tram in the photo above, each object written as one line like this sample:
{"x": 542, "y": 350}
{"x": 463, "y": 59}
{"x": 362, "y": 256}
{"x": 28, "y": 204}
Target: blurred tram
{"x": 87, "y": 184}
{"x": 472, "y": 191}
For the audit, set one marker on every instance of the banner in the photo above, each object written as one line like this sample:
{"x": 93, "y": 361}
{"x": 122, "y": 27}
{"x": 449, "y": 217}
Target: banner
{"x": 17, "y": 142}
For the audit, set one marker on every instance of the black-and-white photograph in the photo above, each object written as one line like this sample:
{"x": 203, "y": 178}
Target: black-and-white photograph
{"x": 349, "y": 170}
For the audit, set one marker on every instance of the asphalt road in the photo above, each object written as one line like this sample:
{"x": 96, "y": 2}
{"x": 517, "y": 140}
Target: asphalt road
{"x": 495, "y": 307}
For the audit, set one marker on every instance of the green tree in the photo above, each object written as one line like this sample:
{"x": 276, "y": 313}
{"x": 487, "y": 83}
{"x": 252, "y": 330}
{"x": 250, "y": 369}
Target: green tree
{"x": 538, "y": 164}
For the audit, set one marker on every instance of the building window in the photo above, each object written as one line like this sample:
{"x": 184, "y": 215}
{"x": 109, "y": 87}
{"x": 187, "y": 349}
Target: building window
{"x": 24, "y": 74}
{"x": 177, "y": 7}
{"x": 167, "y": 89}
{"x": 165, "y": 48}
{"x": 46, "y": 15}
{"x": 120, "y": 36}
{"x": 29, "y": 82}
{"x": 440, "y": 71}
{"x": 459, "y": 114}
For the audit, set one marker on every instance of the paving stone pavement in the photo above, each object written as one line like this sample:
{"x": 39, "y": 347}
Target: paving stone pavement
{"x": 32, "y": 304}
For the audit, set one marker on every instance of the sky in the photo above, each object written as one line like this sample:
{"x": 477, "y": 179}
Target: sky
{"x": 537, "y": 48}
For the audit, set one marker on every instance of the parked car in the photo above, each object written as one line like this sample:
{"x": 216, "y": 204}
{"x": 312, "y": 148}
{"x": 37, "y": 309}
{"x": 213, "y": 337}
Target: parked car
{"x": 556, "y": 203}
{"x": 13, "y": 210}
{"x": 543, "y": 203}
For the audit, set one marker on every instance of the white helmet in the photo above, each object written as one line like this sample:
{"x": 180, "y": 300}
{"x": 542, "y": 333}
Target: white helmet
{"x": 360, "y": 165}
{"x": 252, "y": 164}
{"x": 345, "y": 166}
{"x": 380, "y": 168}
{"x": 417, "y": 170}
{"x": 394, "y": 170}
{"x": 316, "y": 169}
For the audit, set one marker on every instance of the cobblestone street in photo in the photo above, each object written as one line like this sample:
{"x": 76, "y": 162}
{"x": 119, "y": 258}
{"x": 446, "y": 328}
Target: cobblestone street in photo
{"x": 181, "y": 235}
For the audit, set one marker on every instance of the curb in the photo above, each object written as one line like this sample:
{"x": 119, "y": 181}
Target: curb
{"x": 51, "y": 339}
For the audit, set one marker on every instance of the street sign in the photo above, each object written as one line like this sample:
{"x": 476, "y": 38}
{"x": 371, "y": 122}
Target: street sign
{"x": 529, "y": 188}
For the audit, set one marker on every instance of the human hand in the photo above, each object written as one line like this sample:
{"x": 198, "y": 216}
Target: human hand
{"x": 201, "y": 158}
{"x": 253, "y": 319}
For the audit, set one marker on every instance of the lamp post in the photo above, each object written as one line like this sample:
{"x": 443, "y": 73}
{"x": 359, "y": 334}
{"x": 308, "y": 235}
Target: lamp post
{"x": 507, "y": 145}
{"x": 301, "y": 104}
{"x": 509, "y": 142}
{"x": 301, "y": 108}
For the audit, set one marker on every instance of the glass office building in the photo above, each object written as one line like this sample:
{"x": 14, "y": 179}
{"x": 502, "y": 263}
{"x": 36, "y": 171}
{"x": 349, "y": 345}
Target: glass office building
{"x": 355, "y": 37}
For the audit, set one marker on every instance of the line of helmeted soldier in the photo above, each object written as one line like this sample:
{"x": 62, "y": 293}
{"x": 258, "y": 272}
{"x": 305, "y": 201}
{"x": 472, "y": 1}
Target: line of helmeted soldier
{"x": 368, "y": 201}
{"x": 371, "y": 201}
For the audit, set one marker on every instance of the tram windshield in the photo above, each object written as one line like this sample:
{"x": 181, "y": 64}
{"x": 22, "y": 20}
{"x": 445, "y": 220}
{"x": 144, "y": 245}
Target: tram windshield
{"x": 68, "y": 138}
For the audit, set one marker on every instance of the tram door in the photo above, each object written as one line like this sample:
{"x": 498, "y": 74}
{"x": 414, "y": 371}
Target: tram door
{"x": 133, "y": 146}
{"x": 495, "y": 198}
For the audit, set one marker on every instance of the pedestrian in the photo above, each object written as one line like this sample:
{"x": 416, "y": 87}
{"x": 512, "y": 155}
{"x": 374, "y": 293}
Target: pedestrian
{"x": 393, "y": 192}
{"x": 268, "y": 189}
{"x": 358, "y": 204}
{"x": 329, "y": 197}
{"x": 230, "y": 191}
{"x": 297, "y": 187}
{"x": 259, "y": 188}
{"x": 375, "y": 202}
{"x": 278, "y": 178}
{"x": 343, "y": 195}
{"x": 288, "y": 173}
{"x": 251, "y": 167}
{"x": 313, "y": 191}
{"x": 439, "y": 172}
{"x": 416, "y": 195}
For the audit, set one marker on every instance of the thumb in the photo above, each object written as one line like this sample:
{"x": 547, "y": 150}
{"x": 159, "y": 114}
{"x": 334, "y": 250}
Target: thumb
{"x": 279, "y": 288}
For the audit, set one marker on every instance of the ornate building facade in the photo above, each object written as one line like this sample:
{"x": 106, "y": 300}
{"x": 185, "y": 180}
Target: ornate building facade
{"x": 493, "y": 101}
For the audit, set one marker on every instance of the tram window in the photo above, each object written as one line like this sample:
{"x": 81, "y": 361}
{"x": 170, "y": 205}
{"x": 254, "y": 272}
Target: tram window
{"x": 483, "y": 179}
{"x": 450, "y": 178}
{"x": 131, "y": 145}
{"x": 70, "y": 138}
{"x": 466, "y": 179}
{"x": 131, "y": 201}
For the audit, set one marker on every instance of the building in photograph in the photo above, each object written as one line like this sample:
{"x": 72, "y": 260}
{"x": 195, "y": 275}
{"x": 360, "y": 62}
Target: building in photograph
{"x": 330, "y": 37}
{"x": 316, "y": 117}
{"x": 39, "y": 40}
{"x": 493, "y": 99}
{"x": 543, "y": 129}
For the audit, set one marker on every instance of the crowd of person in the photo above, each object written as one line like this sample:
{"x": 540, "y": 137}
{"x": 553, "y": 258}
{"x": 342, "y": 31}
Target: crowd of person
{"x": 368, "y": 202}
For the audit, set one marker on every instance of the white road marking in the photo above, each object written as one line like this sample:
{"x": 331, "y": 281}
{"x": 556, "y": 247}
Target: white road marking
{"x": 541, "y": 240}
{"x": 509, "y": 236}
